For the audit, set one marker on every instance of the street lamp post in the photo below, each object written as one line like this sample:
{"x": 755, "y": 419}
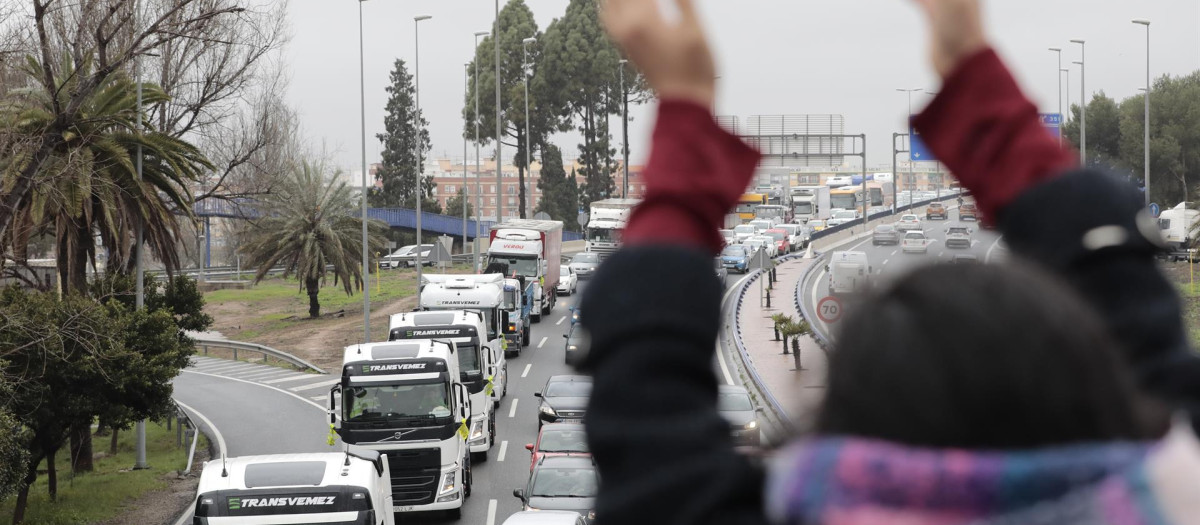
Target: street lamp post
{"x": 478, "y": 183}
{"x": 362, "y": 105}
{"x": 465, "y": 196}
{"x": 624, "y": 132}
{"x": 1058, "y": 50}
{"x": 907, "y": 116}
{"x": 528, "y": 138}
{"x": 1082, "y": 100}
{"x": 1067, "y": 71}
{"x": 139, "y": 462}
{"x": 499, "y": 127}
{"x": 417, "y": 122}
{"x": 1147, "y": 124}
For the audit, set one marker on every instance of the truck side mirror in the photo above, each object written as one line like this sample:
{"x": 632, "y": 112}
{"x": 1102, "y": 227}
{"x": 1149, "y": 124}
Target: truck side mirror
{"x": 566, "y": 336}
{"x": 337, "y": 389}
{"x": 520, "y": 494}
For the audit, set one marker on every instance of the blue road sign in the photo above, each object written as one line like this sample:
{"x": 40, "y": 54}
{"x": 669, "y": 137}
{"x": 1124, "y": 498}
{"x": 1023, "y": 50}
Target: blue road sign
{"x": 1155, "y": 209}
{"x": 917, "y": 150}
{"x": 1053, "y": 122}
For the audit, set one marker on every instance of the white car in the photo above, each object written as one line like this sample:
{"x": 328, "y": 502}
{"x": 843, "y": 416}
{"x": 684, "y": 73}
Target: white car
{"x": 908, "y": 223}
{"x": 841, "y": 217}
{"x": 743, "y": 232}
{"x": 761, "y": 225}
{"x": 769, "y": 244}
{"x": 754, "y": 244}
{"x": 396, "y": 258}
{"x": 568, "y": 282}
{"x": 797, "y": 235}
{"x": 915, "y": 242}
{"x": 729, "y": 236}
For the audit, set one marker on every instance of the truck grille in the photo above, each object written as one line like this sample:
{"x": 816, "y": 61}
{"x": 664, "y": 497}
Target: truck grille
{"x": 415, "y": 475}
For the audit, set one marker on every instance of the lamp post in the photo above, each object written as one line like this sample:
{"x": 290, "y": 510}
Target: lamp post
{"x": 1082, "y": 100}
{"x": 478, "y": 183}
{"x": 139, "y": 462}
{"x": 1058, "y": 51}
{"x": 499, "y": 126}
{"x": 941, "y": 172}
{"x": 465, "y": 195}
{"x": 1147, "y": 124}
{"x": 417, "y": 122}
{"x": 528, "y": 138}
{"x": 624, "y": 132}
{"x": 1067, "y": 71}
{"x": 907, "y": 116}
{"x": 362, "y": 107}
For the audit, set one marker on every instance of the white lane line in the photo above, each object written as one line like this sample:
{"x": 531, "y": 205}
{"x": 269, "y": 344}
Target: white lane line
{"x": 273, "y": 374}
{"x": 512, "y": 412}
{"x": 885, "y": 261}
{"x": 560, "y": 321}
{"x": 222, "y": 368}
{"x": 720, "y": 354}
{"x": 816, "y": 285}
{"x": 940, "y": 254}
{"x": 894, "y": 252}
{"x": 221, "y": 448}
{"x": 323, "y": 397}
{"x": 988, "y": 258}
{"x": 527, "y": 367}
{"x": 491, "y": 515}
{"x": 503, "y": 451}
{"x": 320, "y": 384}
{"x": 542, "y": 342}
{"x": 289, "y": 378}
{"x": 280, "y": 390}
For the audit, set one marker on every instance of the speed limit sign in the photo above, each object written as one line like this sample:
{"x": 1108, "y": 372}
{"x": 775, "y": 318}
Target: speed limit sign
{"x": 829, "y": 309}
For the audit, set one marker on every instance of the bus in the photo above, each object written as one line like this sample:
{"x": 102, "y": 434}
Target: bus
{"x": 881, "y": 194}
{"x": 847, "y": 198}
{"x": 747, "y": 204}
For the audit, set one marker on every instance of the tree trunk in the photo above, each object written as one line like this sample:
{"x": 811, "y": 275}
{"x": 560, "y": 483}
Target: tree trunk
{"x": 785, "y": 348}
{"x": 313, "y": 286}
{"x": 81, "y": 450}
{"x": 112, "y": 445}
{"x": 23, "y": 494}
{"x": 52, "y": 475}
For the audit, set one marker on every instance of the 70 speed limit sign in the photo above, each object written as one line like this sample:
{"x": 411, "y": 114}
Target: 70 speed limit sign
{"x": 829, "y": 309}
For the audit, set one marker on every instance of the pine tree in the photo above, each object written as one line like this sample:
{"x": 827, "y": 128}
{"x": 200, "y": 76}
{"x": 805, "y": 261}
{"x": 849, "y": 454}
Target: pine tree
{"x": 399, "y": 164}
{"x": 560, "y": 194}
{"x": 454, "y": 205}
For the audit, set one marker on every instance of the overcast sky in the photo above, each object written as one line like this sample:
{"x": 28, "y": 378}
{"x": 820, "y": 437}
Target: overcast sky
{"x": 774, "y": 56}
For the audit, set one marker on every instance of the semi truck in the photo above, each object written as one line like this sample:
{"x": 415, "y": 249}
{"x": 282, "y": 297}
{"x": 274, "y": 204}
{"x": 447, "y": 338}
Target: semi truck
{"x": 518, "y": 303}
{"x": 405, "y": 400}
{"x": 479, "y": 365}
{"x": 810, "y": 202}
{"x": 352, "y": 488}
{"x": 606, "y": 224}
{"x": 1180, "y": 226}
{"x": 481, "y": 293}
{"x": 530, "y": 249}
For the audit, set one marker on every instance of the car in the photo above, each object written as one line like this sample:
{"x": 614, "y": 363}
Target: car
{"x": 409, "y": 259}
{"x": 568, "y": 282}
{"x": 761, "y": 225}
{"x": 755, "y": 244}
{"x": 964, "y": 258}
{"x": 797, "y": 235}
{"x": 584, "y": 264}
{"x": 766, "y": 243}
{"x": 729, "y": 236}
{"x": 564, "y": 399}
{"x": 734, "y": 404}
{"x": 915, "y": 242}
{"x": 841, "y": 217}
{"x": 782, "y": 244}
{"x": 395, "y": 259}
{"x": 885, "y": 234}
{"x": 936, "y": 209}
{"x": 574, "y": 315}
{"x": 816, "y": 225}
{"x": 968, "y": 212}
{"x": 736, "y": 257}
{"x": 562, "y": 483}
{"x": 577, "y": 343}
{"x": 558, "y": 439}
{"x": 719, "y": 270}
{"x": 958, "y": 237}
{"x": 545, "y": 517}
{"x": 743, "y": 232}
{"x": 909, "y": 222}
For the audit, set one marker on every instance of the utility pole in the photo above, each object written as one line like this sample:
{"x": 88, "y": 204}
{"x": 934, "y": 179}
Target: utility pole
{"x": 417, "y": 122}
{"x": 499, "y": 126}
{"x": 1082, "y": 100}
{"x": 362, "y": 97}
{"x": 478, "y": 170}
{"x": 624, "y": 131}
{"x": 1058, "y": 50}
{"x": 140, "y": 301}
{"x": 1147, "y": 124}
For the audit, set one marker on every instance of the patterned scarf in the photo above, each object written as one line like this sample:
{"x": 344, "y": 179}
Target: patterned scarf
{"x": 863, "y": 482}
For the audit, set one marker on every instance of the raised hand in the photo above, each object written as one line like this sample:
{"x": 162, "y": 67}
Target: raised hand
{"x": 956, "y": 31}
{"x": 675, "y": 58}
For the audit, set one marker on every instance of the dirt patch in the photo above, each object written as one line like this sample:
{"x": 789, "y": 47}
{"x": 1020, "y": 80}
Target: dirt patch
{"x": 1182, "y": 275}
{"x": 165, "y": 506}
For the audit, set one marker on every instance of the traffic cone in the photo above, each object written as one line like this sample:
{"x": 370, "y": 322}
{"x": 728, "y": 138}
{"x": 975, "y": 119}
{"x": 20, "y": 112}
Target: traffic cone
{"x": 809, "y": 254}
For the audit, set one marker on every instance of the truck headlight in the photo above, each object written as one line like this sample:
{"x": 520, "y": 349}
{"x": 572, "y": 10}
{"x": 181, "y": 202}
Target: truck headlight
{"x": 476, "y": 430}
{"x": 591, "y": 515}
{"x": 546, "y": 410}
{"x": 448, "y": 485}
{"x": 751, "y": 425}
{"x": 572, "y": 348}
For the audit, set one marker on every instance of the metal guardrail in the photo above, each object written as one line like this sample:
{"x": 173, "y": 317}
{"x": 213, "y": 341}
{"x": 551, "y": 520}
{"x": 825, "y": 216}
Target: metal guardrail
{"x": 181, "y": 416}
{"x": 238, "y": 346}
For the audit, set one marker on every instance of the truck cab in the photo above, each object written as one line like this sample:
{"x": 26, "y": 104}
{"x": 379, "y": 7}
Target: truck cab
{"x": 606, "y": 223}
{"x": 530, "y": 249}
{"x": 473, "y": 293}
{"x": 518, "y": 303}
{"x": 330, "y": 487}
{"x": 404, "y": 400}
{"x": 478, "y": 364}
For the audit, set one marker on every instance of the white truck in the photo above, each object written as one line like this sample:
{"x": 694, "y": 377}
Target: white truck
{"x": 405, "y": 400}
{"x": 809, "y": 203}
{"x": 352, "y": 488}
{"x": 481, "y": 293}
{"x": 606, "y": 223}
{"x": 479, "y": 365}
{"x": 530, "y": 249}
{"x": 1180, "y": 228}
{"x": 849, "y": 273}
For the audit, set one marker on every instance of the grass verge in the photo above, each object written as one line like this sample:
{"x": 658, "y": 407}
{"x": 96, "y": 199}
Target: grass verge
{"x": 104, "y": 493}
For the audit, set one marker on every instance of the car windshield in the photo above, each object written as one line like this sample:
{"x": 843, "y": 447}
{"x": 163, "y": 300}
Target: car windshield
{"x": 744, "y": 228}
{"x": 564, "y": 270}
{"x": 935, "y": 205}
{"x": 564, "y": 483}
{"x": 568, "y": 389}
{"x": 604, "y": 235}
{"x": 845, "y": 214}
{"x": 777, "y": 236}
{"x": 734, "y": 251}
{"x": 409, "y": 400}
{"x": 884, "y": 228}
{"x": 959, "y": 231}
{"x": 563, "y": 441}
{"x": 909, "y": 218}
{"x": 915, "y": 236}
{"x": 585, "y": 258}
{"x": 734, "y": 402}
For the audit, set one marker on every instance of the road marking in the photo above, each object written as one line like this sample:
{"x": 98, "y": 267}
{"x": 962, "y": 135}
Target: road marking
{"x": 221, "y": 448}
{"x": 542, "y": 342}
{"x": 512, "y": 412}
{"x": 503, "y": 450}
{"x": 527, "y": 367}
{"x": 322, "y": 397}
{"x": 491, "y": 515}
{"x": 894, "y": 252}
{"x": 320, "y": 384}
{"x": 286, "y": 379}
{"x": 720, "y": 354}
{"x": 885, "y": 261}
{"x": 280, "y": 390}
{"x": 560, "y": 321}
{"x": 816, "y": 285}
{"x": 988, "y": 258}
{"x": 274, "y": 374}
{"x": 221, "y": 367}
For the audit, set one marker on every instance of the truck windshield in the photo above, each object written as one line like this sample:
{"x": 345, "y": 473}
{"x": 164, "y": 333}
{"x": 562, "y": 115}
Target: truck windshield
{"x": 845, "y": 201}
{"x": 510, "y": 300}
{"x": 468, "y": 361}
{"x": 604, "y": 235}
{"x": 422, "y": 401}
{"x": 804, "y": 208}
{"x": 523, "y": 266}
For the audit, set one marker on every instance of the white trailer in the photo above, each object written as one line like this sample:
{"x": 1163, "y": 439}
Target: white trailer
{"x": 810, "y": 202}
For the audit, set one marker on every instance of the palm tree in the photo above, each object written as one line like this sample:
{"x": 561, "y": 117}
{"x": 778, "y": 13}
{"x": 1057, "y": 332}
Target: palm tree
{"x": 309, "y": 228}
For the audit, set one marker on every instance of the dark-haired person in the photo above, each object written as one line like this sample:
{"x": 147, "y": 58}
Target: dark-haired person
{"x": 1029, "y": 394}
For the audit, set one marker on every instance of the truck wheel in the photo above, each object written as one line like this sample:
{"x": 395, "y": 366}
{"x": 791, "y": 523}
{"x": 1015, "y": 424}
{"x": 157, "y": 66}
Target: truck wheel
{"x": 537, "y": 318}
{"x": 468, "y": 478}
{"x": 524, "y": 339}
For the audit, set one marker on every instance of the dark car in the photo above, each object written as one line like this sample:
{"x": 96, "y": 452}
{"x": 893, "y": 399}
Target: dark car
{"x": 885, "y": 234}
{"x": 734, "y": 404}
{"x": 562, "y": 483}
{"x": 564, "y": 399}
{"x": 558, "y": 439}
{"x": 736, "y": 258}
{"x": 577, "y": 343}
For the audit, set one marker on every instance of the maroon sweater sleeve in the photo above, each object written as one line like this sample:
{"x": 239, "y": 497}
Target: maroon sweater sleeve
{"x": 697, "y": 172}
{"x": 989, "y": 135}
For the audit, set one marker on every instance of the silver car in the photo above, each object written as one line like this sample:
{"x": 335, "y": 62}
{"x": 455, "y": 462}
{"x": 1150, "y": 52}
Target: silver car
{"x": 885, "y": 234}
{"x": 585, "y": 264}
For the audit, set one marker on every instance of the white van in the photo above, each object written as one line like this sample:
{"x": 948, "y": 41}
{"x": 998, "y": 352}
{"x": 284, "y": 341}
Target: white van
{"x": 849, "y": 273}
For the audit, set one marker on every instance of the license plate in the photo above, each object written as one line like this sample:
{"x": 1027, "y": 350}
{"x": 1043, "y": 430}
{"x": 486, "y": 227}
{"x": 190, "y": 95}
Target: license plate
{"x": 402, "y": 509}
{"x": 571, "y": 420}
